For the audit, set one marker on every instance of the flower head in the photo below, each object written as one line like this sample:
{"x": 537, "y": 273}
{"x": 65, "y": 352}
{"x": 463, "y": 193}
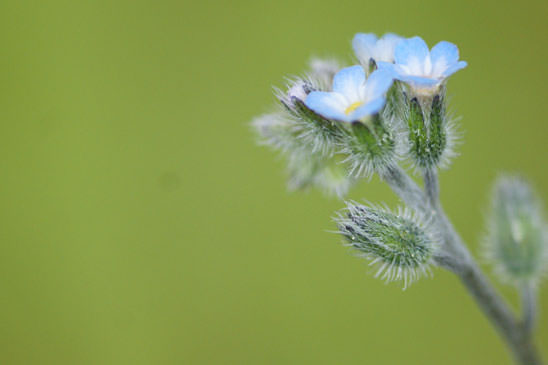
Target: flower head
{"x": 367, "y": 46}
{"x": 424, "y": 70}
{"x": 353, "y": 97}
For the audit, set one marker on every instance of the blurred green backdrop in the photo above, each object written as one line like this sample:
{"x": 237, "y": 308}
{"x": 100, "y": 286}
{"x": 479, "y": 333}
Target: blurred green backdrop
{"x": 140, "y": 223}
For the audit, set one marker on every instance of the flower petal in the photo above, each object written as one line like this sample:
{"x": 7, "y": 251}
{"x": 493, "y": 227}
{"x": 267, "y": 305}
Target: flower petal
{"x": 454, "y": 68}
{"x": 374, "y": 106}
{"x": 378, "y": 84}
{"x": 385, "y": 47}
{"x": 445, "y": 50}
{"x": 363, "y": 45}
{"x": 348, "y": 82}
{"x": 386, "y": 66}
{"x": 392, "y": 38}
{"x": 418, "y": 81}
{"x": 331, "y": 105}
{"x": 411, "y": 52}
{"x": 443, "y": 55}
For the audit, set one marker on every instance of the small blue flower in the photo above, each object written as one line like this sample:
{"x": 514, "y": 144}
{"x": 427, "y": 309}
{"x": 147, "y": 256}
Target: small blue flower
{"x": 353, "y": 97}
{"x": 422, "y": 69}
{"x": 367, "y": 46}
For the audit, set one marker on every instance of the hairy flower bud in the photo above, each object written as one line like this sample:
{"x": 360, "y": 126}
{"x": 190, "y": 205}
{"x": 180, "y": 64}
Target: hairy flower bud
{"x": 314, "y": 132}
{"x": 430, "y": 134}
{"x": 516, "y": 242}
{"x": 321, "y": 72}
{"x": 400, "y": 244}
{"x": 370, "y": 147}
{"x": 326, "y": 174}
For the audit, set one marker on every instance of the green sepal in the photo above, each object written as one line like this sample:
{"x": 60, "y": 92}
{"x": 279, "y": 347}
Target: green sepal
{"x": 374, "y": 136}
{"x": 427, "y": 135}
{"x": 302, "y": 111}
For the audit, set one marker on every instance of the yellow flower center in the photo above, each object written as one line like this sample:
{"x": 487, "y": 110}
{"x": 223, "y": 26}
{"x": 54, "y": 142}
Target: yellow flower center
{"x": 353, "y": 107}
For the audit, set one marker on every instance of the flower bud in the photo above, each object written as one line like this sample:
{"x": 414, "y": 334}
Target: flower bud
{"x": 321, "y": 72}
{"x": 428, "y": 129}
{"x": 314, "y": 132}
{"x": 277, "y": 131}
{"x": 305, "y": 167}
{"x": 400, "y": 244}
{"x": 516, "y": 242}
{"x": 328, "y": 175}
{"x": 370, "y": 147}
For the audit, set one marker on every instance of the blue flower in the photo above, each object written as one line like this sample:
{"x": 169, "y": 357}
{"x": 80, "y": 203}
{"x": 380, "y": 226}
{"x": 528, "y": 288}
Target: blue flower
{"x": 353, "y": 97}
{"x": 367, "y": 46}
{"x": 422, "y": 69}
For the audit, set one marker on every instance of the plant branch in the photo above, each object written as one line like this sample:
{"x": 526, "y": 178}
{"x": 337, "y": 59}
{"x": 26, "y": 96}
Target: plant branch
{"x": 529, "y": 306}
{"x": 457, "y": 259}
{"x": 431, "y": 186}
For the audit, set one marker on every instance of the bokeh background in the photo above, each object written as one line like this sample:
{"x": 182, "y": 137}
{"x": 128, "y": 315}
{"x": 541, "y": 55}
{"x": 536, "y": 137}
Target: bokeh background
{"x": 141, "y": 224}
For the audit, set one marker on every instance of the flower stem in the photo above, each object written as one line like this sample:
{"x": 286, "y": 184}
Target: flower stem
{"x": 529, "y": 306}
{"x": 431, "y": 186}
{"x": 457, "y": 259}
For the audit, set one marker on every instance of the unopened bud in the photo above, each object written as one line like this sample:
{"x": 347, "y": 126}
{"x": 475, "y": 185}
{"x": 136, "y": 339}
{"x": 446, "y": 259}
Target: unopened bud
{"x": 516, "y": 243}
{"x": 426, "y": 120}
{"x": 401, "y": 245}
{"x": 370, "y": 147}
{"x": 312, "y": 131}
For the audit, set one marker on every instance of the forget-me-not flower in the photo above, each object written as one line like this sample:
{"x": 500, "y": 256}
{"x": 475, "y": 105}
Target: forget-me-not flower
{"x": 367, "y": 46}
{"x": 424, "y": 70}
{"x": 353, "y": 97}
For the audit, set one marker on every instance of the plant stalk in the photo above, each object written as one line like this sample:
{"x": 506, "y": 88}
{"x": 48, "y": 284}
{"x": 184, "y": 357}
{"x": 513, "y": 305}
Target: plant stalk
{"x": 529, "y": 306}
{"x": 459, "y": 260}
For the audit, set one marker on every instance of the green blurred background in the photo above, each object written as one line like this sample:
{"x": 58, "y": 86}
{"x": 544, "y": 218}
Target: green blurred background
{"x": 140, "y": 223}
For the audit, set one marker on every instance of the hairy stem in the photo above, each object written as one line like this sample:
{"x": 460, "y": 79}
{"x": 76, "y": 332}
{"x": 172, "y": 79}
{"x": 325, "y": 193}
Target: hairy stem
{"x": 405, "y": 188}
{"x": 431, "y": 186}
{"x": 499, "y": 314}
{"x": 457, "y": 259}
{"x": 529, "y": 306}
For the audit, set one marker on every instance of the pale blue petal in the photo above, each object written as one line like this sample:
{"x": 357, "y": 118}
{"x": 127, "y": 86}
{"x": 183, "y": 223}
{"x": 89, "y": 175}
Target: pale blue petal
{"x": 363, "y": 45}
{"x": 373, "y": 107}
{"x": 391, "y": 37}
{"x": 386, "y": 66}
{"x": 348, "y": 82}
{"x": 454, "y": 68}
{"x": 444, "y": 52}
{"x": 385, "y": 47}
{"x": 418, "y": 81}
{"x": 378, "y": 84}
{"x": 328, "y": 104}
{"x": 411, "y": 50}
{"x": 391, "y": 40}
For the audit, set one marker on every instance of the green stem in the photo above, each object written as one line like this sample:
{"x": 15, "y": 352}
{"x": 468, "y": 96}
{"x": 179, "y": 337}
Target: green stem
{"x": 431, "y": 187}
{"x": 529, "y": 306}
{"x": 457, "y": 259}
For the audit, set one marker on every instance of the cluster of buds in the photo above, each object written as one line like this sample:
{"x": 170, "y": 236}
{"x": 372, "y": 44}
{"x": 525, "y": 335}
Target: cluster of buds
{"x": 338, "y": 123}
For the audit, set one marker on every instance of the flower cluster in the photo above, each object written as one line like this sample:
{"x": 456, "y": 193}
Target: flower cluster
{"x": 353, "y": 97}
{"x": 338, "y": 123}
{"x": 341, "y": 122}
{"x": 350, "y": 122}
